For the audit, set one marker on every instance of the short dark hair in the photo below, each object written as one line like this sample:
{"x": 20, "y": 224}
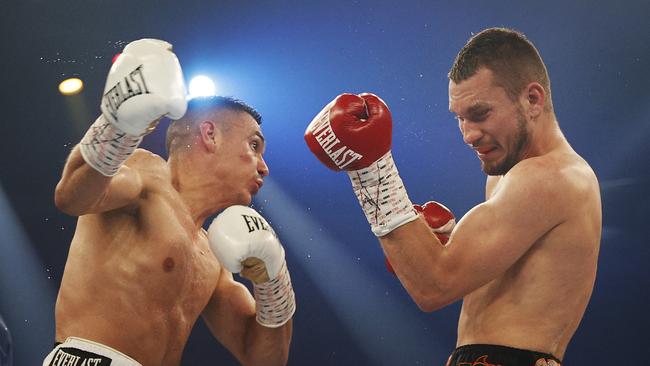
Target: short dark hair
{"x": 512, "y": 58}
{"x": 200, "y": 107}
{"x": 209, "y": 104}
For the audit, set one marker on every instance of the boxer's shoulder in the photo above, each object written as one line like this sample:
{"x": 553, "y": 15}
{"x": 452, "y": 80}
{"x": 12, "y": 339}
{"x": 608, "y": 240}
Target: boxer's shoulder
{"x": 545, "y": 171}
{"x": 151, "y": 167}
{"x": 560, "y": 170}
{"x": 539, "y": 173}
{"x": 563, "y": 181}
{"x": 143, "y": 158}
{"x": 538, "y": 183}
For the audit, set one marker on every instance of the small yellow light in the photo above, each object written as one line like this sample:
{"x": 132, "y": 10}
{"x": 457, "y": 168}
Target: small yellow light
{"x": 71, "y": 86}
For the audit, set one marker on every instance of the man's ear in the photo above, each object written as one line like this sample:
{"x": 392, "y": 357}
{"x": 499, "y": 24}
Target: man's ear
{"x": 210, "y": 135}
{"x": 535, "y": 99}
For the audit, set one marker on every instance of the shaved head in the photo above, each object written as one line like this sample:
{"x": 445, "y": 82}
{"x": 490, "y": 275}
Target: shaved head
{"x": 213, "y": 108}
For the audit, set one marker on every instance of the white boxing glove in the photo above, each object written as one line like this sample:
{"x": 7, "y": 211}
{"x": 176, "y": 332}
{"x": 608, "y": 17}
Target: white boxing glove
{"x": 240, "y": 233}
{"x": 144, "y": 84}
{"x": 245, "y": 243}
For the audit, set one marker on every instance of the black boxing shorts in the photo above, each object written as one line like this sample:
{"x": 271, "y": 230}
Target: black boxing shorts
{"x": 77, "y": 351}
{"x": 493, "y": 355}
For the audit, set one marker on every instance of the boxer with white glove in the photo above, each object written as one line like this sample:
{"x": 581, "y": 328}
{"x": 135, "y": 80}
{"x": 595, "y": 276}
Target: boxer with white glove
{"x": 353, "y": 133}
{"x": 144, "y": 85}
{"x": 245, "y": 243}
{"x": 139, "y": 248}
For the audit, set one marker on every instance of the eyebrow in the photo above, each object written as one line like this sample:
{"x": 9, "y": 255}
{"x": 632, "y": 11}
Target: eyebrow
{"x": 259, "y": 134}
{"x": 476, "y": 108}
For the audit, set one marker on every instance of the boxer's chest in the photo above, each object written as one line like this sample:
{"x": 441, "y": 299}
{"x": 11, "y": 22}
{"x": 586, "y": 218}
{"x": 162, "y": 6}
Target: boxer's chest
{"x": 183, "y": 270}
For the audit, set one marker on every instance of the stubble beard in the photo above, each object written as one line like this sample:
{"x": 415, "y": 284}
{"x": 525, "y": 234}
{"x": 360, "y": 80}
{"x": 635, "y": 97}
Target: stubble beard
{"x": 515, "y": 148}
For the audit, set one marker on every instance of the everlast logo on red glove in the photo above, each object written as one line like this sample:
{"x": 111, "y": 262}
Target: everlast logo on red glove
{"x": 343, "y": 155}
{"x": 351, "y": 132}
{"x": 124, "y": 90}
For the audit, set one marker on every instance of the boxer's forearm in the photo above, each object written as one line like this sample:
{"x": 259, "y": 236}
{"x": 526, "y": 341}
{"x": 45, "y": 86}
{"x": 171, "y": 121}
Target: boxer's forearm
{"x": 81, "y": 187}
{"x": 257, "y": 331}
{"x": 267, "y": 346}
{"x": 421, "y": 265}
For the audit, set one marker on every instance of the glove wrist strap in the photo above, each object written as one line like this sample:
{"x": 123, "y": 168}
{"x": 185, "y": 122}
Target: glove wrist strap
{"x": 275, "y": 301}
{"x": 105, "y": 147}
{"x": 382, "y": 195}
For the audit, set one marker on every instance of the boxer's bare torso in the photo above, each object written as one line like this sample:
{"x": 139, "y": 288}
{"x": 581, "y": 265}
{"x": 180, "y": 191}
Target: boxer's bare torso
{"x": 538, "y": 302}
{"x": 138, "y": 277}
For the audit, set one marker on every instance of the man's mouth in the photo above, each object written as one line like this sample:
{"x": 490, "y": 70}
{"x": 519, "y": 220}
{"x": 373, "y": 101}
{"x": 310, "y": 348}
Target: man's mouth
{"x": 484, "y": 151}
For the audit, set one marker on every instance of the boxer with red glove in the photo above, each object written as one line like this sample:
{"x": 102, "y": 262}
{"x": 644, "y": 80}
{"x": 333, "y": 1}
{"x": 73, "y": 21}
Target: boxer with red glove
{"x": 439, "y": 218}
{"x": 353, "y": 133}
{"x": 531, "y": 245}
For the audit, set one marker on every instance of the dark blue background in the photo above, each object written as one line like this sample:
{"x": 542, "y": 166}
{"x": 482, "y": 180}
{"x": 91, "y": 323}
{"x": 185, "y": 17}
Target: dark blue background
{"x": 288, "y": 59}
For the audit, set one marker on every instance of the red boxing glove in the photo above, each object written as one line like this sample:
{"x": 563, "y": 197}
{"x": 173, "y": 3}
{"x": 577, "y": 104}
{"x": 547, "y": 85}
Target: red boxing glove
{"x": 351, "y": 132}
{"x": 439, "y": 218}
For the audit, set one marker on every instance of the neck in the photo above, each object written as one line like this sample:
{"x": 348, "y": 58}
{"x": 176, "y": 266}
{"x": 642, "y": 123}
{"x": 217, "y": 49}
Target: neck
{"x": 546, "y": 136}
{"x": 198, "y": 191}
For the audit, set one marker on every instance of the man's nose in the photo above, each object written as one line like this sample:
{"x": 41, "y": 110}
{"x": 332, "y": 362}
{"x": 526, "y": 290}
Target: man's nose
{"x": 262, "y": 168}
{"x": 471, "y": 134}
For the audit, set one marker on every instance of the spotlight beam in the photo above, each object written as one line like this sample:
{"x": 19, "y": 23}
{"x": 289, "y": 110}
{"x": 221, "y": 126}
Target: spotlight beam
{"x": 389, "y": 331}
{"x": 26, "y": 299}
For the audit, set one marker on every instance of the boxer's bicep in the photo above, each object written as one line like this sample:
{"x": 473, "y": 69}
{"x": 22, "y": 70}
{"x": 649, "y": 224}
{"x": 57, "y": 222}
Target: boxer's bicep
{"x": 82, "y": 190}
{"x": 492, "y": 236}
{"x": 123, "y": 190}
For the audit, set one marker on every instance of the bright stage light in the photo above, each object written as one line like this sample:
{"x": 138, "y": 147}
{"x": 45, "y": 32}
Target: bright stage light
{"x": 71, "y": 86}
{"x": 202, "y": 86}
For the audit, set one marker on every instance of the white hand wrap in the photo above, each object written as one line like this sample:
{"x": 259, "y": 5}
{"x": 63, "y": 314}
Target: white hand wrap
{"x": 105, "y": 147}
{"x": 382, "y": 195}
{"x": 275, "y": 301}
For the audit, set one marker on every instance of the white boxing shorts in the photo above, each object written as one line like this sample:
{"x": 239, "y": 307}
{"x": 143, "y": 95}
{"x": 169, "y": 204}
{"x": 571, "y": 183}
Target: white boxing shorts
{"x": 82, "y": 352}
